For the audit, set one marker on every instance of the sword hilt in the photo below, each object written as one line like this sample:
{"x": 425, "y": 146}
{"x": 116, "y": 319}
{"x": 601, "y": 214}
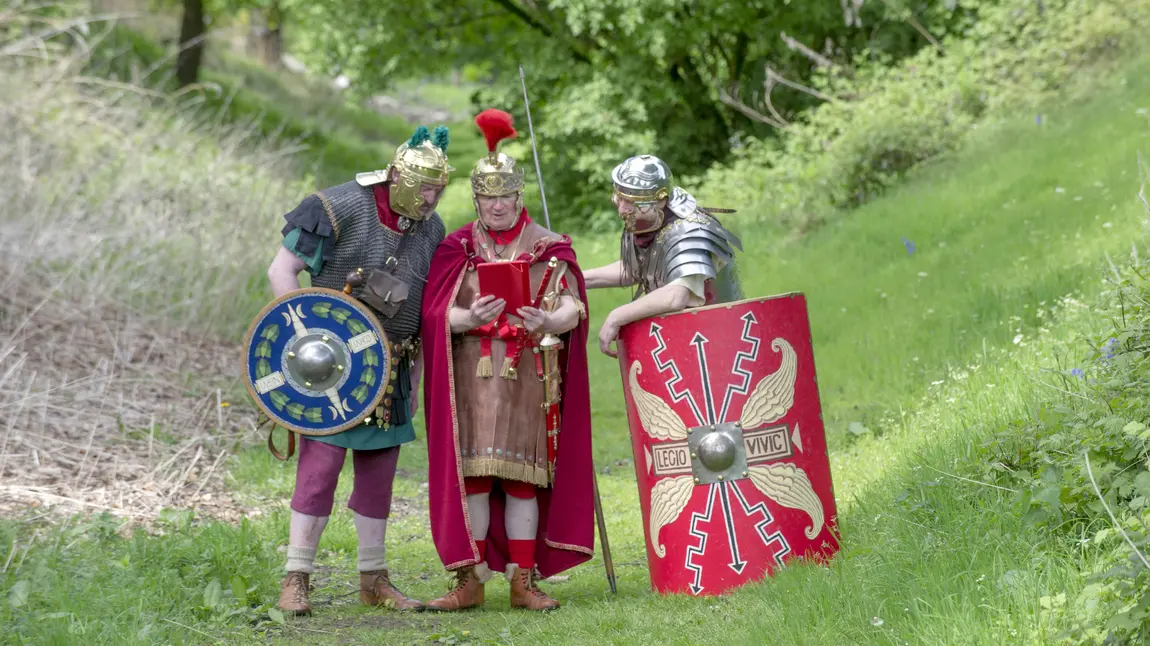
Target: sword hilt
{"x": 551, "y": 265}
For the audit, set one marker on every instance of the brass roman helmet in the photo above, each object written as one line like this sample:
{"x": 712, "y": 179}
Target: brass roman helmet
{"x": 496, "y": 173}
{"x": 420, "y": 160}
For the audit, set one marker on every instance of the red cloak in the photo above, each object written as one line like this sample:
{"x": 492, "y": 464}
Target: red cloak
{"x": 566, "y": 534}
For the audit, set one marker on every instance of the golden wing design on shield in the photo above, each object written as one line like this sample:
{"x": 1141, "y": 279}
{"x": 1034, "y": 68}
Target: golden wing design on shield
{"x": 656, "y": 415}
{"x": 789, "y": 486}
{"x": 775, "y": 394}
{"x": 669, "y": 498}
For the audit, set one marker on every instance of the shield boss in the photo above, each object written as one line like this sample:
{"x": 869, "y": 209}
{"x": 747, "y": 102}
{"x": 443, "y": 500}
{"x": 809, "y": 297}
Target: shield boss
{"x": 316, "y": 360}
{"x": 717, "y": 452}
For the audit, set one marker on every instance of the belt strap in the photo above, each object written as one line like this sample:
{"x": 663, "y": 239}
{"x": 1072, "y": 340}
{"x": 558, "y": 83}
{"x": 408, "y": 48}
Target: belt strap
{"x": 290, "y": 446}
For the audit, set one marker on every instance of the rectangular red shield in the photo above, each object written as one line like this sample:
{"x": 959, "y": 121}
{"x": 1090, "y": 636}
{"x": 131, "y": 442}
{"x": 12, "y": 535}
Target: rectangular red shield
{"x": 730, "y": 452}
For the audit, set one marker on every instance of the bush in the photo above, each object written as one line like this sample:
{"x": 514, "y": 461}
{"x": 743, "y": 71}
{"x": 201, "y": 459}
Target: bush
{"x": 1081, "y": 463}
{"x": 888, "y": 119}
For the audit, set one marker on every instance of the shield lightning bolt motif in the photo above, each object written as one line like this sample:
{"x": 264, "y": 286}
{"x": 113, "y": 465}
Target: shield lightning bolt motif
{"x": 772, "y": 397}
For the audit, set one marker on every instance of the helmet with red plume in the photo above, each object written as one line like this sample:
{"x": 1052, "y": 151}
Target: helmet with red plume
{"x": 496, "y": 173}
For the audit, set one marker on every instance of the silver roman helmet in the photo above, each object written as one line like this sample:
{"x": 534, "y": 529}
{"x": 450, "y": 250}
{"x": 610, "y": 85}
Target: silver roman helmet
{"x": 644, "y": 181}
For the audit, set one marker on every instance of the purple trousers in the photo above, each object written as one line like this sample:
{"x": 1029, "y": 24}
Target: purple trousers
{"x": 318, "y": 474}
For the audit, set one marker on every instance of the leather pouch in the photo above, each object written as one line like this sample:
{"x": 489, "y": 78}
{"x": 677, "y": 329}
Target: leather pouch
{"x": 385, "y": 292}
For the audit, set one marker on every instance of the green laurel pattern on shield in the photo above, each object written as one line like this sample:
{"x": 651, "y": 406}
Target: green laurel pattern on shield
{"x": 279, "y": 400}
{"x": 270, "y": 333}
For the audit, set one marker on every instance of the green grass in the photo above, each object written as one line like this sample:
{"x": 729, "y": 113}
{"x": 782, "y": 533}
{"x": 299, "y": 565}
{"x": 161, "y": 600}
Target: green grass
{"x": 928, "y": 558}
{"x": 936, "y": 559}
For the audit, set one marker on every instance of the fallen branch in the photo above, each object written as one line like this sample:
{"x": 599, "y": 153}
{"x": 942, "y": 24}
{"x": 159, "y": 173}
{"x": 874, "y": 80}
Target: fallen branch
{"x": 817, "y": 58}
{"x": 774, "y": 78}
{"x": 729, "y": 100}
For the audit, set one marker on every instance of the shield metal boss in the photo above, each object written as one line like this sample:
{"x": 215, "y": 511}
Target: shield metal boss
{"x": 317, "y": 361}
{"x": 727, "y": 434}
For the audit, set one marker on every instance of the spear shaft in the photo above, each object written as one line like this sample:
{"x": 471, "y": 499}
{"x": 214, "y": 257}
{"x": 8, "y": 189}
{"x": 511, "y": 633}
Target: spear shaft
{"x": 534, "y": 150}
{"x": 607, "y": 563}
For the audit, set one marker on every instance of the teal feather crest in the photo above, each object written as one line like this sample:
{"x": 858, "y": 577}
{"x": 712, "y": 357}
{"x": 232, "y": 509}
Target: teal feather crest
{"x": 442, "y": 138}
{"x": 421, "y": 135}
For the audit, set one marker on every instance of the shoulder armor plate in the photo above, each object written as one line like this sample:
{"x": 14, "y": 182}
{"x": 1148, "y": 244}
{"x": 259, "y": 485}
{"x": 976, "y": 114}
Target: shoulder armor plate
{"x": 371, "y": 178}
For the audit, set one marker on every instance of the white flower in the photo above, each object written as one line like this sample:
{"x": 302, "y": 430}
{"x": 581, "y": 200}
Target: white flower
{"x": 922, "y": 274}
{"x": 1059, "y": 190}
{"x": 1017, "y": 339}
{"x": 876, "y": 622}
{"x": 1106, "y": 225}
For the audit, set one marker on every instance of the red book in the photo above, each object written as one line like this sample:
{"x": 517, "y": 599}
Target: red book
{"x": 510, "y": 281}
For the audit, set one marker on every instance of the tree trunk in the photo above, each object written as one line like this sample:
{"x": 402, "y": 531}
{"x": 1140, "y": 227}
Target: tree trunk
{"x": 273, "y": 37}
{"x": 191, "y": 43}
{"x": 257, "y": 28}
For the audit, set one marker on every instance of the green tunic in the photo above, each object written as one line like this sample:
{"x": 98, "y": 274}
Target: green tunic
{"x": 369, "y": 436}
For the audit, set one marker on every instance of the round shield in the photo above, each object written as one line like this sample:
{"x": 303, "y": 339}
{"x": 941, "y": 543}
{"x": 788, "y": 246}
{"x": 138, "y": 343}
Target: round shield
{"x": 317, "y": 361}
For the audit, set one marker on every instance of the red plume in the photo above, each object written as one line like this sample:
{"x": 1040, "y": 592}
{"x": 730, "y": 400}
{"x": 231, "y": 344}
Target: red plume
{"x": 496, "y": 126}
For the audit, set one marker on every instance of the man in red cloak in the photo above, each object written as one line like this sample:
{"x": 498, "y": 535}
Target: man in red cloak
{"x": 509, "y": 452}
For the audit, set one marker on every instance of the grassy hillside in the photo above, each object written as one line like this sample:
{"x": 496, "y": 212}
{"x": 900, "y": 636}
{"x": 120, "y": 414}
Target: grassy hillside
{"x": 942, "y": 326}
{"x": 330, "y": 138}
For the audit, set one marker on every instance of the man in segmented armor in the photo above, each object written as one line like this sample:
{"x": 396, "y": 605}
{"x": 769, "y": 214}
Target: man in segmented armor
{"x": 675, "y": 252}
{"x": 507, "y": 491}
{"x": 384, "y": 223}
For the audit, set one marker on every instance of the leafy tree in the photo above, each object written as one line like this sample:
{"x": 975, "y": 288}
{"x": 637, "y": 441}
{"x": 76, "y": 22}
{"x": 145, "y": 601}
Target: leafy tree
{"x": 610, "y": 78}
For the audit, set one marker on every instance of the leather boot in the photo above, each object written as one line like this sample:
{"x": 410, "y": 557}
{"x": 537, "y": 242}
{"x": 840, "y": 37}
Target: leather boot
{"x": 293, "y": 593}
{"x": 376, "y": 589}
{"x": 525, "y": 594}
{"x": 468, "y": 592}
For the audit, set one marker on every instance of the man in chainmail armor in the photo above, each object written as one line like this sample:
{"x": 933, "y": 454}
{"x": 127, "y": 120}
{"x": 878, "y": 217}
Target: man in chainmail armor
{"x": 376, "y": 234}
{"x": 675, "y": 253}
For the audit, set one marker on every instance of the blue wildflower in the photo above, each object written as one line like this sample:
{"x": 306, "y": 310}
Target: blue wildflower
{"x": 909, "y": 246}
{"x": 1109, "y": 347}
{"x": 1077, "y": 372}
